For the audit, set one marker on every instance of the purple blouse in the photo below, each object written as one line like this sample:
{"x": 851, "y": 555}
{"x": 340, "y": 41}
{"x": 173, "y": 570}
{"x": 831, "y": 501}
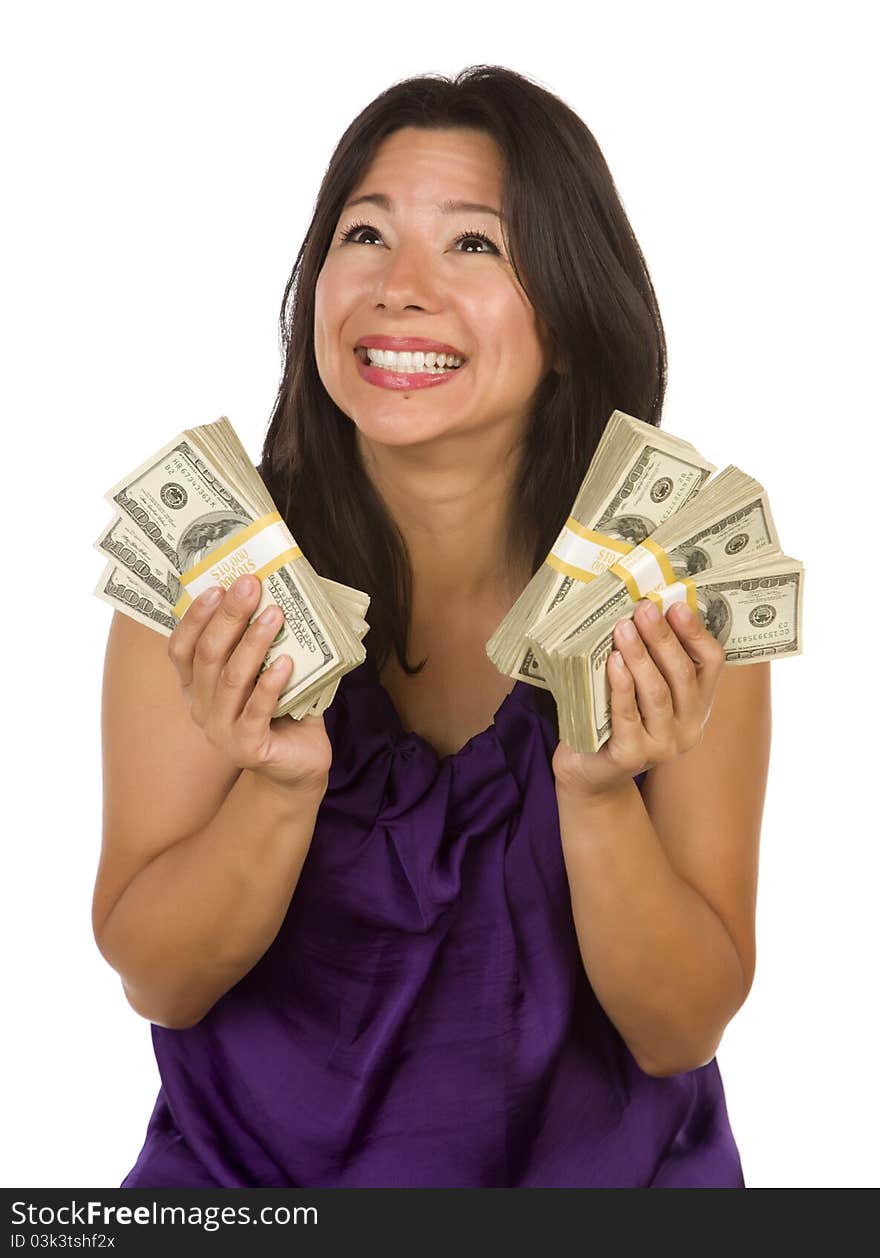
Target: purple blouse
{"x": 423, "y": 1017}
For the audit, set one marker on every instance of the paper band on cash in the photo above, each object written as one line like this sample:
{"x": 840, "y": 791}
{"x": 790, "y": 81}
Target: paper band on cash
{"x": 258, "y": 549}
{"x": 645, "y": 568}
{"x": 683, "y": 591}
{"x": 583, "y": 553}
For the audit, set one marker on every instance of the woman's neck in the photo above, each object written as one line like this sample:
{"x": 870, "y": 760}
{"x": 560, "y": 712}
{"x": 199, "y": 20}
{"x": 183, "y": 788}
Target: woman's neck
{"x": 453, "y": 509}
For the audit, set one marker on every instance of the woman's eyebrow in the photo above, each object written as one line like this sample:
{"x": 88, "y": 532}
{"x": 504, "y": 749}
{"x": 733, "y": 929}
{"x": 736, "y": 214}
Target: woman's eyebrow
{"x": 445, "y": 207}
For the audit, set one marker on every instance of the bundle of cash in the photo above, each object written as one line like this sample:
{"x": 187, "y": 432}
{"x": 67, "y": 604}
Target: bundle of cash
{"x": 717, "y": 549}
{"x": 638, "y": 476}
{"x": 197, "y": 514}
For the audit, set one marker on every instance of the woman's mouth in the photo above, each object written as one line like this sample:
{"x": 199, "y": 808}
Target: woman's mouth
{"x": 415, "y": 370}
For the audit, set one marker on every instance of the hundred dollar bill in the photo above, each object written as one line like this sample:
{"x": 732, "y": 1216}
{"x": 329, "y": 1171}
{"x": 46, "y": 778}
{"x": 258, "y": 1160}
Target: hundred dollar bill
{"x": 730, "y": 520}
{"x": 638, "y": 477}
{"x": 125, "y": 592}
{"x": 197, "y": 514}
{"x": 754, "y": 608}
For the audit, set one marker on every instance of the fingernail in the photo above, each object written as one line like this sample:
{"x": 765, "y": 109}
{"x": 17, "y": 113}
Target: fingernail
{"x": 652, "y": 611}
{"x": 627, "y": 629}
{"x": 244, "y": 587}
{"x": 212, "y": 596}
{"x": 684, "y": 613}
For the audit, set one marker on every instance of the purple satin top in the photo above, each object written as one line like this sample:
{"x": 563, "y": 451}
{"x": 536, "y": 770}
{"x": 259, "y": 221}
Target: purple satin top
{"x": 423, "y": 1017}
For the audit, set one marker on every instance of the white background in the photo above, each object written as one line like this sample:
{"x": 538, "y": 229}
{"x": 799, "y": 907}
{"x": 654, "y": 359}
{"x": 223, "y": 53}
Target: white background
{"x": 161, "y": 164}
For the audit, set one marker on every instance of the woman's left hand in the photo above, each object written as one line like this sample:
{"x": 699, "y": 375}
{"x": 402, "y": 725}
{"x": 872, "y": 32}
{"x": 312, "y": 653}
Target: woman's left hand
{"x": 660, "y": 699}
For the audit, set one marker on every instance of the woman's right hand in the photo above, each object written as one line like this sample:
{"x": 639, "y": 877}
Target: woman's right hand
{"x": 218, "y": 655}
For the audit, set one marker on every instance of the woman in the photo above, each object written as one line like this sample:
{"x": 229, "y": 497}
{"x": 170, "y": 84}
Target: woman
{"x": 419, "y": 941}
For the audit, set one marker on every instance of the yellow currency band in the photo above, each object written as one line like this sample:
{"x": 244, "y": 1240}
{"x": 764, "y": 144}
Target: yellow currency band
{"x": 647, "y": 567}
{"x": 682, "y": 591}
{"x": 267, "y": 545}
{"x": 576, "y": 546}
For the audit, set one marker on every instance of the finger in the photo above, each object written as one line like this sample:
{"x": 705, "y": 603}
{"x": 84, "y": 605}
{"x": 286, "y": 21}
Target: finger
{"x": 627, "y": 730}
{"x": 263, "y": 700}
{"x": 218, "y": 639}
{"x": 674, "y": 662}
{"x": 185, "y": 634}
{"x": 702, "y": 646}
{"x": 235, "y": 681}
{"x": 652, "y": 693}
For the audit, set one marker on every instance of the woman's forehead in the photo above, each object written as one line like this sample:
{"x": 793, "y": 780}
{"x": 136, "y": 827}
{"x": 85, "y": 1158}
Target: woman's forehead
{"x": 448, "y": 164}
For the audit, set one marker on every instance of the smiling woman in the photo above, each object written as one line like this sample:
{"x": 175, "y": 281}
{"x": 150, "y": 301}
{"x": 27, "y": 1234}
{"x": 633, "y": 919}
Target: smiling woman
{"x": 468, "y": 308}
{"x": 423, "y": 267}
{"x": 465, "y": 302}
{"x": 479, "y": 213}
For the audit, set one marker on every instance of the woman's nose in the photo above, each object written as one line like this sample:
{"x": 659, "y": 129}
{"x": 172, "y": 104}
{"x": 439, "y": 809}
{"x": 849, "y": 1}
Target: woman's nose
{"x": 407, "y": 276}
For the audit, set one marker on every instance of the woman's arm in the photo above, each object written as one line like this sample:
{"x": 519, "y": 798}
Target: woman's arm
{"x": 199, "y": 858}
{"x": 200, "y": 915}
{"x": 664, "y": 882}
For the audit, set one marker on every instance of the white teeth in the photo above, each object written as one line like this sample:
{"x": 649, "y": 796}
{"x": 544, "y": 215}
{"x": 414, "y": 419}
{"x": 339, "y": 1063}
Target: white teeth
{"x": 413, "y": 361}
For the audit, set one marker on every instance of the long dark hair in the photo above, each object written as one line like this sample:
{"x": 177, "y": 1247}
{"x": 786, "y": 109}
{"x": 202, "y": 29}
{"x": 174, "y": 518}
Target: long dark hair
{"x": 578, "y": 261}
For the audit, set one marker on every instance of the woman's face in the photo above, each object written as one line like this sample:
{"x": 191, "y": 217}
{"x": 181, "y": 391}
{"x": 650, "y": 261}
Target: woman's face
{"x": 414, "y": 272}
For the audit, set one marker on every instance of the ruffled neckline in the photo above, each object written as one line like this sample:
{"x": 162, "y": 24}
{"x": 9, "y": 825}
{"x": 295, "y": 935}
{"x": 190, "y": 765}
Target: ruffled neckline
{"x": 411, "y": 814}
{"x": 366, "y": 730}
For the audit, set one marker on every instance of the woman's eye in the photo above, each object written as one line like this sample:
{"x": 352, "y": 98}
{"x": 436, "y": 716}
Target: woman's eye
{"x": 350, "y": 232}
{"x": 484, "y": 240}
{"x": 353, "y": 233}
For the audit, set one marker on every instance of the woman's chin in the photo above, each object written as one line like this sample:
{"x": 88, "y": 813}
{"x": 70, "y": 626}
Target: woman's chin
{"x": 401, "y": 430}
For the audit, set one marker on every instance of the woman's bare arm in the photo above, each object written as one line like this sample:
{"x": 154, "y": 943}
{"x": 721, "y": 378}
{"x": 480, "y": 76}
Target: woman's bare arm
{"x": 664, "y": 882}
{"x": 199, "y": 857}
{"x": 200, "y": 915}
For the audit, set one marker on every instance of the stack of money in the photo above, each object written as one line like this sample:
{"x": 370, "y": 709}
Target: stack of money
{"x": 197, "y": 514}
{"x": 638, "y": 476}
{"x": 715, "y": 547}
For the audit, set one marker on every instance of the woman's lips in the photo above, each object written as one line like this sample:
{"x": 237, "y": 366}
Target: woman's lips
{"x": 408, "y": 380}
